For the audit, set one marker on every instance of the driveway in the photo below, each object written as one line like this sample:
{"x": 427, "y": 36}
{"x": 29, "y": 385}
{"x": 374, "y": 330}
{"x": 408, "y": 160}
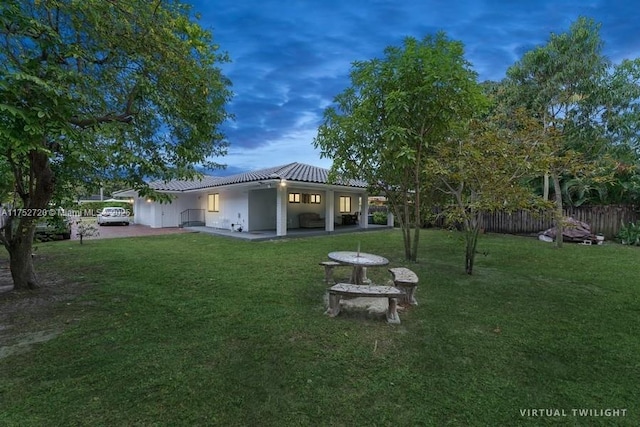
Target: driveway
{"x": 132, "y": 230}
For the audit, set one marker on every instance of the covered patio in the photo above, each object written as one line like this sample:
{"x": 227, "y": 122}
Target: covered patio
{"x": 294, "y": 198}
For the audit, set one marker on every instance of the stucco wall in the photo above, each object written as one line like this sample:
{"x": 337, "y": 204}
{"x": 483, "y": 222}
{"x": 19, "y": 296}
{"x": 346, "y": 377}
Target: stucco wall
{"x": 142, "y": 211}
{"x": 252, "y": 209}
{"x": 233, "y": 209}
{"x": 262, "y": 209}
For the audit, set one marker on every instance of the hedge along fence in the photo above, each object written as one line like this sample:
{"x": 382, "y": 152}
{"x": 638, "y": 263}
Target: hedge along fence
{"x": 605, "y": 220}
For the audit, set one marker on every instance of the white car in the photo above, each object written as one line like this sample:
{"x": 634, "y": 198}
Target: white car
{"x": 113, "y": 215}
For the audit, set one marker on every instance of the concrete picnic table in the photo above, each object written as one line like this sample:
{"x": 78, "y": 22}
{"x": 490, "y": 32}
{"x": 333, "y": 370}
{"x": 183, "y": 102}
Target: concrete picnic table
{"x": 360, "y": 261}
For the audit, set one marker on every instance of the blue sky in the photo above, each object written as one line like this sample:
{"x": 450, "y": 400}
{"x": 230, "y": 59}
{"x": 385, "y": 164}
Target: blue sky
{"x": 291, "y": 58}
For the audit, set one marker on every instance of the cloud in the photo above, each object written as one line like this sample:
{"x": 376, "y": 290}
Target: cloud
{"x": 290, "y": 59}
{"x": 295, "y": 146}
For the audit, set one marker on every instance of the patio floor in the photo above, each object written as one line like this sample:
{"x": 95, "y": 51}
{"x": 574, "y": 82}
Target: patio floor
{"x": 291, "y": 233}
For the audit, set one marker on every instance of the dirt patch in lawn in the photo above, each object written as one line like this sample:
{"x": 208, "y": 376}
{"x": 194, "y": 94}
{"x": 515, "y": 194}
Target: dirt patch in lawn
{"x": 31, "y": 317}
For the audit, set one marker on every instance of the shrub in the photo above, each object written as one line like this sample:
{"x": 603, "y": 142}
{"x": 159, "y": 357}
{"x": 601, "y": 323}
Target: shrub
{"x": 380, "y": 218}
{"x": 629, "y": 234}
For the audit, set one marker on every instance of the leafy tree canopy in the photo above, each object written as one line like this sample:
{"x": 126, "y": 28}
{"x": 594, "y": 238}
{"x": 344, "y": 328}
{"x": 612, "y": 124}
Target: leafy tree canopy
{"x": 74, "y": 72}
{"x": 565, "y": 84}
{"x": 484, "y": 169}
{"x": 98, "y": 89}
{"x": 384, "y": 127}
{"x": 593, "y": 105}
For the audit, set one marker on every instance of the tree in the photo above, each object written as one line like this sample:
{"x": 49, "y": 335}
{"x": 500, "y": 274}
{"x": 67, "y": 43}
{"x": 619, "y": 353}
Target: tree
{"x": 484, "y": 170}
{"x": 560, "y": 84}
{"x": 84, "y": 229}
{"x": 99, "y": 89}
{"x": 384, "y": 126}
{"x": 621, "y": 108}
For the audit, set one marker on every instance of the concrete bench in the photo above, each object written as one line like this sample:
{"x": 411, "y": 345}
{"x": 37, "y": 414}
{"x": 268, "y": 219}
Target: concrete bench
{"x": 407, "y": 280}
{"x": 328, "y": 270}
{"x": 336, "y": 292}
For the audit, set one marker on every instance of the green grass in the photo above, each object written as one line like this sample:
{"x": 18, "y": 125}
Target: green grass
{"x": 192, "y": 329}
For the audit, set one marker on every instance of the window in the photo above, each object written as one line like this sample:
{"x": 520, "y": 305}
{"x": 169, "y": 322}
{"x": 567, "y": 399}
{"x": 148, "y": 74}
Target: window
{"x": 213, "y": 202}
{"x": 294, "y": 197}
{"x": 314, "y": 198}
{"x": 345, "y": 204}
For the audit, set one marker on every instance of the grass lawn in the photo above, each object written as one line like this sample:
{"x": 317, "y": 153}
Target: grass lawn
{"x": 193, "y": 329}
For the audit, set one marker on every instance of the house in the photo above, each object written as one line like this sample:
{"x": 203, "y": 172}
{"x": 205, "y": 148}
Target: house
{"x": 278, "y": 198}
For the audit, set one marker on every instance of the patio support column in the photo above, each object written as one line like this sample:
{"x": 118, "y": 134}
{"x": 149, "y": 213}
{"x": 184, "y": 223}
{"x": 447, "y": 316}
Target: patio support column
{"x": 329, "y": 211}
{"x": 154, "y": 209}
{"x": 281, "y": 211}
{"x": 364, "y": 212}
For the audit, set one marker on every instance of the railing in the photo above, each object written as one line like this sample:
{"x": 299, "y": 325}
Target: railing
{"x": 192, "y": 217}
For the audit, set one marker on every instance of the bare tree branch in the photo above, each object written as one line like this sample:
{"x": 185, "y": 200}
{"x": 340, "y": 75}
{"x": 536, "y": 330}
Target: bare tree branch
{"x": 125, "y": 117}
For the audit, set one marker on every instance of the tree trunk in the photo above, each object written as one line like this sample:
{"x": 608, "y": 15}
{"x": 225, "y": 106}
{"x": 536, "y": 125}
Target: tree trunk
{"x": 20, "y": 256}
{"x": 416, "y": 227}
{"x": 416, "y": 239}
{"x": 417, "y": 217}
{"x": 558, "y": 211}
{"x": 471, "y": 240}
{"x": 400, "y": 209}
{"x": 35, "y": 192}
{"x": 406, "y": 233}
{"x": 545, "y": 187}
{"x": 406, "y": 227}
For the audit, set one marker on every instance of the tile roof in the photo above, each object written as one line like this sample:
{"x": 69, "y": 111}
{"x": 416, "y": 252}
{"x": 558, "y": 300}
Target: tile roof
{"x": 184, "y": 185}
{"x": 299, "y": 172}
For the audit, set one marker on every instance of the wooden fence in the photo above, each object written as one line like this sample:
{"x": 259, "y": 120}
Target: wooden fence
{"x": 605, "y": 220}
